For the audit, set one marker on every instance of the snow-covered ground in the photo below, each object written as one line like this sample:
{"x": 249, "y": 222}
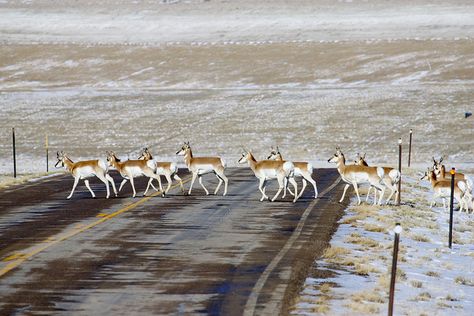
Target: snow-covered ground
{"x": 243, "y": 21}
{"x": 306, "y": 75}
{"x": 353, "y": 276}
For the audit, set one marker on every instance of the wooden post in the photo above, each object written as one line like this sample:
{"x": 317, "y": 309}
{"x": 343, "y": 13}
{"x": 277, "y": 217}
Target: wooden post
{"x": 409, "y": 148}
{"x": 14, "y": 152}
{"x": 397, "y": 230}
{"x": 46, "y": 145}
{"x": 451, "y": 208}
{"x": 400, "y": 170}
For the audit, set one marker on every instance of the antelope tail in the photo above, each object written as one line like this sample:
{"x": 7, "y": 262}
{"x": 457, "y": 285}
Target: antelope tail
{"x": 380, "y": 173}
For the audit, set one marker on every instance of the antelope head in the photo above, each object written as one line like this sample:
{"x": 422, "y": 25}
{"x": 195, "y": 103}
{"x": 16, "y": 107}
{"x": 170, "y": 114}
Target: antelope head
{"x": 338, "y": 156}
{"x": 184, "y": 149}
{"x": 61, "y": 157}
{"x": 429, "y": 174}
{"x": 246, "y": 156}
{"x": 145, "y": 154}
{"x": 437, "y": 164}
{"x": 112, "y": 158}
{"x": 274, "y": 153}
{"x": 361, "y": 160}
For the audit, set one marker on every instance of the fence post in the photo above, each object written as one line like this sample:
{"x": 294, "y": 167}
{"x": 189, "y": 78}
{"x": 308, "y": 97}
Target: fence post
{"x": 14, "y": 152}
{"x": 409, "y": 148}
{"x": 400, "y": 170}
{"x": 46, "y": 145}
{"x": 397, "y": 230}
{"x": 451, "y": 207}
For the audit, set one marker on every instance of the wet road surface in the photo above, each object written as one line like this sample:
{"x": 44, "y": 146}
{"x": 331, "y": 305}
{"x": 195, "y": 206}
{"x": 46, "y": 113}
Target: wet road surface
{"x": 177, "y": 255}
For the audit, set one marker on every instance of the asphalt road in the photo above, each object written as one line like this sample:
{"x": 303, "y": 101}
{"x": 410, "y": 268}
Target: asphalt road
{"x": 177, "y": 255}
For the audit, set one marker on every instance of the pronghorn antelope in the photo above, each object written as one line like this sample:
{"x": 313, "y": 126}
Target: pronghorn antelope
{"x": 355, "y": 175}
{"x": 265, "y": 170}
{"x": 202, "y": 165}
{"x": 302, "y": 169}
{"x": 442, "y": 189}
{"x": 441, "y": 174}
{"x": 390, "y": 180}
{"x": 166, "y": 169}
{"x": 131, "y": 169}
{"x": 440, "y": 171}
{"x": 84, "y": 170}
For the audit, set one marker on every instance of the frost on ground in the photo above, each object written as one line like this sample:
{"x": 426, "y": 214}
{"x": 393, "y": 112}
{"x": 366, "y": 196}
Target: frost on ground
{"x": 120, "y": 75}
{"x": 353, "y": 276}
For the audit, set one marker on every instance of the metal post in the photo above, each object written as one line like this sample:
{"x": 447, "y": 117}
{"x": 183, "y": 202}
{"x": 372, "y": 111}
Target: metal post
{"x": 47, "y": 153}
{"x": 451, "y": 208}
{"x": 14, "y": 153}
{"x": 400, "y": 170}
{"x": 409, "y": 148}
{"x": 397, "y": 230}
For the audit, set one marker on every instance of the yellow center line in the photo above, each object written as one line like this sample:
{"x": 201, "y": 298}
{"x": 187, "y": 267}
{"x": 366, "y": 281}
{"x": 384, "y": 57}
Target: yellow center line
{"x": 19, "y": 257}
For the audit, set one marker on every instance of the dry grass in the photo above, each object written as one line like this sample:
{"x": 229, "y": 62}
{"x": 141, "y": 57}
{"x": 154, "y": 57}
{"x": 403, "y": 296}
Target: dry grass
{"x": 462, "y": 280}
{"x": 374, "y": 228}
{"x": 384, "y": 279}
{"x": 451, "y": 298}
{"x": 420, "y": 238}
{"x": 364, "y": 269}
{"x": 424, "y": 296}
{"x": 368, "y": 296}
{"x": 364, "y": 308}
{"x": 353, "y": 219}
{"x": 365, "y": 209}
{"x": 432, "y": 274}
{"x": 416, "y": 284}
{"x": 443, "y": 304}
{"x": 457, "y": 239}
{"x": 322, "y": 301}
{"x": 325, "y": 288}
{"x": 321, "y": 307}
{"x": 335, "y": 252}
{"x": 357, "y": 239}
